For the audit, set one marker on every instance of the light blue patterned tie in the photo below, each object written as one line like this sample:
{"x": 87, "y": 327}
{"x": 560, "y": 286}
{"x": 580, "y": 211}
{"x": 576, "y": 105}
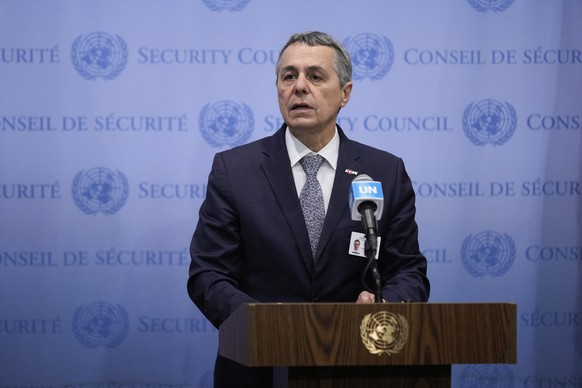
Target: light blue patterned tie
{"x": 311, "y": 199}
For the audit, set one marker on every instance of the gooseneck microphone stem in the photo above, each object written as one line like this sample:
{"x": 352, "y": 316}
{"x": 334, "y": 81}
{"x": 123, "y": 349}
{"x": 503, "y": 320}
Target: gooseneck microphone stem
{"x": 377, "y": 283}
{"x": 369, "y": 223}
{"x": 372, "y": 267}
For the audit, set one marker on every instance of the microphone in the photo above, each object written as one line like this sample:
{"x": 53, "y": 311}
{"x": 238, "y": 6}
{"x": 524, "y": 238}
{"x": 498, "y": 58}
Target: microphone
{"x": 364, "y": 189}
{"x": 366, "y": 203}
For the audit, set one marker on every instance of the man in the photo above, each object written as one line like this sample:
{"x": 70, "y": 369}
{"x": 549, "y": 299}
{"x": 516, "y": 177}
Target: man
{"x": 356, "y": 248}
{"x": 253, "y": 242}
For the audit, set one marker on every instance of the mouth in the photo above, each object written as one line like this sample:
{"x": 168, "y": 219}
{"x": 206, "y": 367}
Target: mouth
{"x": 300, "y": 106}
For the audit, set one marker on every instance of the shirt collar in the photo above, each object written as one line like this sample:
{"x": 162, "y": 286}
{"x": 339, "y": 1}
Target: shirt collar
{"x": 298, "y": 150}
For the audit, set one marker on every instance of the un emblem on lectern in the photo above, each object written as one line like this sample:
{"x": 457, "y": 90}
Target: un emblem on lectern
{"x": 384, "y": 332}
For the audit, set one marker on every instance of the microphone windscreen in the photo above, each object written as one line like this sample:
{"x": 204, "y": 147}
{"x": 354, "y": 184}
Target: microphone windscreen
{"x": 364, "y": 189}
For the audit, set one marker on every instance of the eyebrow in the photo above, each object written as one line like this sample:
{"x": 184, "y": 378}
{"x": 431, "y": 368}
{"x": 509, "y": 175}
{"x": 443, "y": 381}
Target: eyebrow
{"x": 309, "y": 68}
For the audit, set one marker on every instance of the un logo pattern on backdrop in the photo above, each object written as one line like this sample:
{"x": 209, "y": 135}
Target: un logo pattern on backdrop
{"x": 489, "y": 122}
{"x": 488, "y": 253}
{"x": 100, "y": 190}
{"x": 372, "y": 55}
{"x": 100, "y": 324}
{"x": 226, "y": 123}
{"x": 493, "y": 5}
{"x": 487, "y": 376}
{"x": 221, "y": 5}
{"x": 99, "y": 55}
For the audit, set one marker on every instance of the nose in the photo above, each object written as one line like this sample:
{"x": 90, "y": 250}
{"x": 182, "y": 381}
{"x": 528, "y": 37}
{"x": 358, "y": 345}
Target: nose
{"x": 301, "y": 85}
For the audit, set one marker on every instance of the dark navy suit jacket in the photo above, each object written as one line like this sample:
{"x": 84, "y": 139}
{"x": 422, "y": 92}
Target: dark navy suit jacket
{"x": 251, "y": 242}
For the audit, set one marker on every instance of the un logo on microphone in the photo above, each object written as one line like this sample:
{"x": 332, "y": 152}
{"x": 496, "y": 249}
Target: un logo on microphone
{"x": 487, "y": 376}
{"x": 372, "y": 55}
{"x": 488, "y": 253}
{"x": 99, "y": 55}
{"x": 221, "y": 5}
{"x": 493, "y": 5}
{"x": 100, "y": 324}
{"x": 100, "y": 190}
{"x": 226, "y": 123}
{"x": 489, "y": 122}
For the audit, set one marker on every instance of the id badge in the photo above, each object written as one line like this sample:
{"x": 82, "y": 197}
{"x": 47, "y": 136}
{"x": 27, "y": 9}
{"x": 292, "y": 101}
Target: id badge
{"x": 358, "y": 243}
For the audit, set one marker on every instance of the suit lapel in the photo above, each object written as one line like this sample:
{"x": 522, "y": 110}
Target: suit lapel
{"x": 278, "y": 172}
{"x": 348, "y": 160}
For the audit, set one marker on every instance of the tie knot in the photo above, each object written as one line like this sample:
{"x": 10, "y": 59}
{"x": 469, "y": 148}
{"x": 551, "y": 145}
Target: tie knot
{"x": 311, "y": 163}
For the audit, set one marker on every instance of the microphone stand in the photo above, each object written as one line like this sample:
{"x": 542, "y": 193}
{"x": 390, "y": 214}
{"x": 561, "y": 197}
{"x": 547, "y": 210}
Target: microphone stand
{"x": 370, "y": 226}
{"x": 371, "y": 255}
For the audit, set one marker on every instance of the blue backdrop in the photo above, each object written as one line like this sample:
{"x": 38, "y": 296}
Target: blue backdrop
{"x": 111, "y": 112}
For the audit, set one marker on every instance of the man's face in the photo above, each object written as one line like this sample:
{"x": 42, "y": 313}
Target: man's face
{"x": 308, "y": 88}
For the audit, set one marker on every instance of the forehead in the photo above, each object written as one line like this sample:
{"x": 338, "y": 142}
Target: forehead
{"x": 300, "y": 55}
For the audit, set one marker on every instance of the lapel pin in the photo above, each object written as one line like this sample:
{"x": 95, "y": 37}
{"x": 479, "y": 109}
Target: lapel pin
{"x": 351, "y": 172}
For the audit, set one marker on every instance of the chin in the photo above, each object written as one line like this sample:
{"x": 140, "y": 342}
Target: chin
{"x": 300, "y": 120}
{"x": 300, "y": 124}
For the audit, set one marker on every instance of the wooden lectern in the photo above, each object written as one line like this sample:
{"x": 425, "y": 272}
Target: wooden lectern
{"x": 341, "y": 345}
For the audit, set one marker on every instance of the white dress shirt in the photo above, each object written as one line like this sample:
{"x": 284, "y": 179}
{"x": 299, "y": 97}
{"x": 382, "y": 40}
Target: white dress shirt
{"x": 326, "y": 173}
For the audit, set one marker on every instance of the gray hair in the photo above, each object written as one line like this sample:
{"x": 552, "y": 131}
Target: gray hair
{"x": 343, "y": 62}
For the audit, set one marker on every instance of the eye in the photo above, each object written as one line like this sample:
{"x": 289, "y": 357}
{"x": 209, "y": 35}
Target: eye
{"x": 316, "y": 77}
{"x": 288, "y": 76}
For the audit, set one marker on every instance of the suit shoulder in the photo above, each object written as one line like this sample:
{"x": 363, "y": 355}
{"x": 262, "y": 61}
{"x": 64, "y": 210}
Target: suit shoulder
{"x": 245, "y": 149}
{"x": 248, "y": 154}
{"x": 367, "y": 151}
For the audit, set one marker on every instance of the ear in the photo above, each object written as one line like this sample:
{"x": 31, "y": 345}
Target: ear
{"x": 346, "y": 92}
